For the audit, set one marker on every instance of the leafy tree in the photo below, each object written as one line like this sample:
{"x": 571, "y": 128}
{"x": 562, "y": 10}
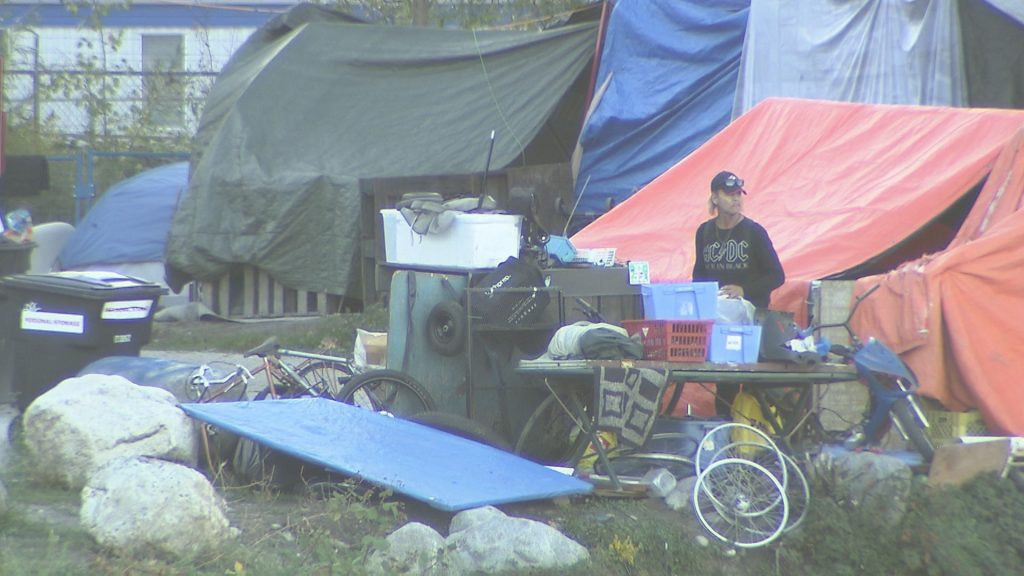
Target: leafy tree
{"x": 465, "y": 13}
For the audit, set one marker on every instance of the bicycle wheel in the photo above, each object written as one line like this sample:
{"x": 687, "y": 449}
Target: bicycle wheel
{"x": 550, "y": 435}
{"x": 327, "y": 378}
{"x": 798, "y": 493}
{"x": 462, "y": 427}
{"x": 740, "y": 502}
{"x": 637, "y": 464}
{"x": 388, "y": 391}
{"x": 753, "y": 444}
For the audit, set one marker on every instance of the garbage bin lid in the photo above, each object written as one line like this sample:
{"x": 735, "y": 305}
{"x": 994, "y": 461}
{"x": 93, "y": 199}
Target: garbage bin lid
{"x": 97, "y": 284}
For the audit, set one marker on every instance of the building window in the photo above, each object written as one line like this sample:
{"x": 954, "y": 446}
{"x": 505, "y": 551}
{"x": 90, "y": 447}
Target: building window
{"x": 163, "y": 81}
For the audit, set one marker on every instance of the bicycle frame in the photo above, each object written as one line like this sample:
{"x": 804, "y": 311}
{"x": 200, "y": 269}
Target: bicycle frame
{"x": 889, "y": 381}
{"x": 282, "y": 377}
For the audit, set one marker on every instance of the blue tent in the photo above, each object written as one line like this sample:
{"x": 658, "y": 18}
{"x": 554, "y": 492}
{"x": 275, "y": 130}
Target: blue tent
{"x": 664, "y": 86}
{"x": 129, "y": 223}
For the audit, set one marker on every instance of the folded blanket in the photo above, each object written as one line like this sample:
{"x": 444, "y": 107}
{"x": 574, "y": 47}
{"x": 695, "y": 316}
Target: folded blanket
{"x": 627, "y": 401}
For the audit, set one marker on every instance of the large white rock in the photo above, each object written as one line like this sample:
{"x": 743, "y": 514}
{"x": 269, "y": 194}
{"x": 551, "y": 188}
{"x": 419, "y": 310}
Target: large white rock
{"x": 480, "y": 541}
{"x": 492, "y": 542}
{"x": 83, "y": 423}
{"x": 413, "y": 550}
{"x": 142, "y": 506}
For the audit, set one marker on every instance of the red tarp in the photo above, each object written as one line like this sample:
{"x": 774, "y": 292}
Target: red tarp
{"x": 838, "y": 184}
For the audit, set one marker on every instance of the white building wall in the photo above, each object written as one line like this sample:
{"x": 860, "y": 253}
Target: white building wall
{"x": 71, "y": 49}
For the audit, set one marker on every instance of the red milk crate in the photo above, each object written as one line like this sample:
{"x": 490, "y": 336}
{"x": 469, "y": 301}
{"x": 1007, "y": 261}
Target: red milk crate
{"x": 672, "y": 340}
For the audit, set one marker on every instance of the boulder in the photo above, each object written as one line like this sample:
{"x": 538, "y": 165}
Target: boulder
{"x": 83, "y": 423}
{"x": 480, "y": 541}
{"x": 413, "y": 550}
{"x": 141, "y": 506}
{"x": 487, "y": 541}
{"x": 877, "y": 484}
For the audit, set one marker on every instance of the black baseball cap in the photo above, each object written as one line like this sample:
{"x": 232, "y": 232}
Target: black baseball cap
{"x": 727, "y": 181}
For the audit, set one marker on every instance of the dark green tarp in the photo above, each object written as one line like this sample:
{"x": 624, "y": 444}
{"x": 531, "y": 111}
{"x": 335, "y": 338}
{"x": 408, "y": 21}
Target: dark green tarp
{"x": 310, "y": 105}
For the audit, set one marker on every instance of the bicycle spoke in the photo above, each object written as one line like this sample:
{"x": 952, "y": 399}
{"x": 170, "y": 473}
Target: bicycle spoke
{"x": 326, "y": 378}
{"x": 740, "y": 502}
{"x": 387, "y": 391}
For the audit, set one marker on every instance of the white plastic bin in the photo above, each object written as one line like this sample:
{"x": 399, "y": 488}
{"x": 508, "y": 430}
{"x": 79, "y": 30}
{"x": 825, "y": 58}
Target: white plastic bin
{"x": 472, "y": 242}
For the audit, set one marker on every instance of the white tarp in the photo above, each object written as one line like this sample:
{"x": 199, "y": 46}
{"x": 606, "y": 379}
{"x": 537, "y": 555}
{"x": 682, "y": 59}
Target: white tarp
{"x": 847, "y": 50}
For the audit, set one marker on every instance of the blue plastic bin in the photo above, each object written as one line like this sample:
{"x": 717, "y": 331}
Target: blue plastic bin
{"x": 734, "y": 343}
{"x": 681, "y": 301}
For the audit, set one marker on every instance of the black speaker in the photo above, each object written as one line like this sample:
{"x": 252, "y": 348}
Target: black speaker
{"x": 25, "y": 176}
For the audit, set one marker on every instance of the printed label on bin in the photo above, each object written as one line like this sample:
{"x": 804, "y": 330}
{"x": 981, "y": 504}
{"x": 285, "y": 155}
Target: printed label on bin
{"x": 734, "y": 342}
{"x": 126, "y": 309}
{"x": 52, "y": 322}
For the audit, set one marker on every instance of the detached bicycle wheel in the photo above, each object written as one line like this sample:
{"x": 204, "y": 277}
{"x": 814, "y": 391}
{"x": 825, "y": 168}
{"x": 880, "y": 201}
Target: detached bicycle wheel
{"x": 551, "y": 436}
{"x": 327, "y": 378}
{"x": 754, "y": 445}
{"x": 741, "y": 503}
{"x": 388, "y": 391}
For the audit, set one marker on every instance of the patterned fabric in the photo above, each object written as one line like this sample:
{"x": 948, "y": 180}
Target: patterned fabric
{"x": 627, "y": 401}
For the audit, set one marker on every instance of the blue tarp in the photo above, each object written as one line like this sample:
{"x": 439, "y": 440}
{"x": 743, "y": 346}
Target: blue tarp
{"x": 445, "y": 471}
{"x": 129, "y": 223}
{"x": 665, "y": 85}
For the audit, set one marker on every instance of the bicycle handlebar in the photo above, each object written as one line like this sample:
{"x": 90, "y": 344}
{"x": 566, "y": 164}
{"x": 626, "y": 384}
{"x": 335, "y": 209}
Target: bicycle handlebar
{"x": 846, "y": 323}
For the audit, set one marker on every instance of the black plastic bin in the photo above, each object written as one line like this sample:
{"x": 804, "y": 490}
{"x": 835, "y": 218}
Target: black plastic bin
{"x": 55, "y": 324}
{"x": 15, "y": 257}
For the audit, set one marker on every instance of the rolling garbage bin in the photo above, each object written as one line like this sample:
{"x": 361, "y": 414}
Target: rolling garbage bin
{"x": 15, "y": 257}
{"x": 55, "y": 324}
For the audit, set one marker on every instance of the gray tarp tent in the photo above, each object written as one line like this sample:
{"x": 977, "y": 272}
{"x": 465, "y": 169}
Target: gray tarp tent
{"x": 311, "y": 104}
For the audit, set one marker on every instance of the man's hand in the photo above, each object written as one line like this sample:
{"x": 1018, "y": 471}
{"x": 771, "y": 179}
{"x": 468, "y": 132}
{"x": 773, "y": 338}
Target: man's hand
{"x": 731, "y": 291}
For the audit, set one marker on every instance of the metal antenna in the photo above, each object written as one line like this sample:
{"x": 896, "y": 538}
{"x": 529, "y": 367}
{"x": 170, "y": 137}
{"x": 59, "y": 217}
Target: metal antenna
{"x": 487, "y": 167}
{"x": 574, "y": 206}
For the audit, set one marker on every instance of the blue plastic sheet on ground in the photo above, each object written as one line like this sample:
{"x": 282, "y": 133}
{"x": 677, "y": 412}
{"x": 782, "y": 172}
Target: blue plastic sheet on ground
{"x": 445, "y": 471}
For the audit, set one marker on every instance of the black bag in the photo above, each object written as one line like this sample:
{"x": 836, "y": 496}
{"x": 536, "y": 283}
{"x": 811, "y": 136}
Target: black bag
{"x": 513, "y": 294}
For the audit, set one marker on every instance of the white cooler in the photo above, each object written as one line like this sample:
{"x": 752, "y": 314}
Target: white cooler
{"x": 473, "y": 241}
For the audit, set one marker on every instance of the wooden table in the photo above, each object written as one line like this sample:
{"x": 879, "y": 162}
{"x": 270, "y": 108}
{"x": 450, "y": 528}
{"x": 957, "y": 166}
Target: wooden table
{"x": 762, "y": 373}
{"x": 757, "y": 377}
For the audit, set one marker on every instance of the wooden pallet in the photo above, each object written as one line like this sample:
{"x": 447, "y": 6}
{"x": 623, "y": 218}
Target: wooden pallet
{"x": 248, "y": 292}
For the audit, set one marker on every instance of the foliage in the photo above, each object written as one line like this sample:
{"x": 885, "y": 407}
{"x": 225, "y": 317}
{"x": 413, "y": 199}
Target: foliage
{"x": 625, "y": 538}
{"x": 119, "y": 108}
{"x": 973, "y": 529}
{"x": 465, "y": 13}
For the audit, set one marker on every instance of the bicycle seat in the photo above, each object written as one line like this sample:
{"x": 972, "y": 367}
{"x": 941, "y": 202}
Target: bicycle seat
{"x": 268, "y": 346}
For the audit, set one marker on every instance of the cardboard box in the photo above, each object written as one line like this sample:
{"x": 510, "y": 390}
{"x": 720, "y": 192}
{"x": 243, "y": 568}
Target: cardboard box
{"x": 734, "y": 343}
{"x": 680, "y": 301}
{"x": 471, "y": 242}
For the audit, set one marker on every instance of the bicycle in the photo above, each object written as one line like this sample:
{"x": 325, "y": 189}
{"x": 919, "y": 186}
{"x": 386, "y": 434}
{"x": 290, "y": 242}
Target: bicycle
{"x": 891, "y": 384}
{"x": 297, "y": 373}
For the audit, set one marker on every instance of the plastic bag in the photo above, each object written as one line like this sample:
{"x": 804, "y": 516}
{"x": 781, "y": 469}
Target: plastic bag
{"x": 735, "y": 311}
{"x": 18, "y": 226}
{"x": 370, "y": 350}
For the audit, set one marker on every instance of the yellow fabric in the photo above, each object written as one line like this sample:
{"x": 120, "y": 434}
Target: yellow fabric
{"x": 746, "y": 410}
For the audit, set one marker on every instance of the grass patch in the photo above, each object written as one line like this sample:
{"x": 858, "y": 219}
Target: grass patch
{"x": 973, "y": 529}
{"x": 334, "y": 333}
{"x": 283, "y": 534}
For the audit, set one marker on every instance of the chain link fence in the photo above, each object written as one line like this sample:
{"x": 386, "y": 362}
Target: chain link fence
{"x": 106, "y": 127}
{"x": 82, "y": 106}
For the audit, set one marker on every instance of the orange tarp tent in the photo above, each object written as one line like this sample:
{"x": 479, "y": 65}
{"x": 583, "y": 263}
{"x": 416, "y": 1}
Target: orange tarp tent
{"x": 838, "y": 185}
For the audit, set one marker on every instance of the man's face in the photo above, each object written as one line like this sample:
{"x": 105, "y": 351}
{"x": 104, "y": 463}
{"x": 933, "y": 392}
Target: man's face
{"x": 729, "y": 201}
